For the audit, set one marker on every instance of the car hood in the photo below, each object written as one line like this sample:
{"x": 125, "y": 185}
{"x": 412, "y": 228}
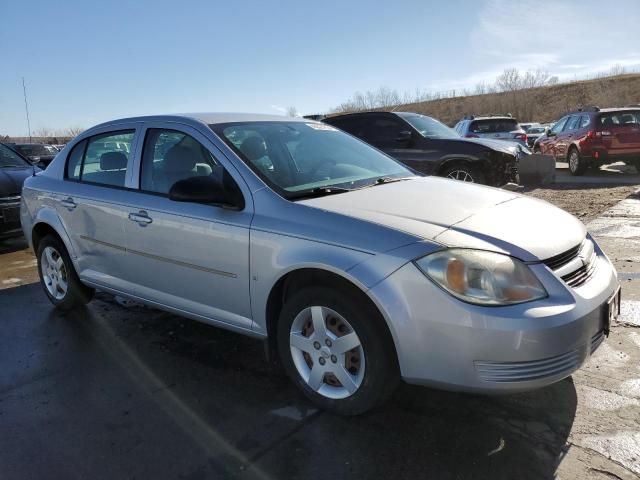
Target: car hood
{"x": 11, "y": 179}
{"x": 459, "y": 214}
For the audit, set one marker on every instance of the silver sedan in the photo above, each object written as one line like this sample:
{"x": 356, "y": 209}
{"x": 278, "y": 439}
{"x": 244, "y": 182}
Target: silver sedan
{"x": 356, "y": 272}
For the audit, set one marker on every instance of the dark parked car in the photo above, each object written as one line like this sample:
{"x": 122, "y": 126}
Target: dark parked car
{"x": 430, "y": 147}
{"x": 37, "y": 153}
{"x": 14, "y": 169}
{"x": 594, "y": 137}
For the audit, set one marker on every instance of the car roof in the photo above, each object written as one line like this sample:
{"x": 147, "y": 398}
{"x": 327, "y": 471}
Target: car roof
{"x": 494, "y": 117}
{"x": 208, "y": 118}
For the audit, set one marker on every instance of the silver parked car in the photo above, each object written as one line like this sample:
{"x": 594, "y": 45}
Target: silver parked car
{"x": 497, "y": 127}
{"x": 355, "y": 271}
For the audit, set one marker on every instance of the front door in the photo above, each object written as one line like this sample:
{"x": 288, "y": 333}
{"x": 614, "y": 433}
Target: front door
{"x": 191, "y": 257}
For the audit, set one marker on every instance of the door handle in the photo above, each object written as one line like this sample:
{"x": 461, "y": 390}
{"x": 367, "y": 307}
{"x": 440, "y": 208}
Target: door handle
{"x": 68, "y": 203}
{"x": 141, "y": 218}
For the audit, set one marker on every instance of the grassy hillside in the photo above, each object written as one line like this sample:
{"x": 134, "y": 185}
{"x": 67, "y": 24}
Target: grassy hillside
{"x": 541, "y": 104}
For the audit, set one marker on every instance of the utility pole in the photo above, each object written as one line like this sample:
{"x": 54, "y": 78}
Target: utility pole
{"x": 26, "y": 108}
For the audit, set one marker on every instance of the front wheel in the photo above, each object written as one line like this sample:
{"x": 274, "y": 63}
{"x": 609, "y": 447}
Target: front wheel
{"x": 336, "y": 350}
{"x": 58, "y": 277}
{"x": 463, "y": 172}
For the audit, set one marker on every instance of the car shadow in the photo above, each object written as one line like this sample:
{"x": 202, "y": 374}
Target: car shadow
{"x": 203, "y": 402}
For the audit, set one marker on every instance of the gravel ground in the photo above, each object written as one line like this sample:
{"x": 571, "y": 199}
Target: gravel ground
{"x": 584, "y": 201}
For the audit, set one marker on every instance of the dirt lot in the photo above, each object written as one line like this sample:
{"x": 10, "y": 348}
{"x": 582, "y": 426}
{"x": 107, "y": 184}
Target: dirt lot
{"x": 584, "y": 201}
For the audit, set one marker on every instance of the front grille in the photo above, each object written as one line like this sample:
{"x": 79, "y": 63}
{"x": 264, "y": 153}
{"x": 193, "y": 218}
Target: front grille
{"x": 581, "y": 275}
{"x": 10, "y": 200}
{"x": 504, "y": 372}
{"x": 563, "y": 258}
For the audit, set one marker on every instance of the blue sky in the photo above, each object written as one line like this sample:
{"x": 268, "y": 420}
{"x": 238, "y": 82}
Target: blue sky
{"x": 88, "y": 61}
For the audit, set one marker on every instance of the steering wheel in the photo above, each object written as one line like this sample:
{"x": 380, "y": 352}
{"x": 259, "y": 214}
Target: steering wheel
{"x": 319, "y": 164}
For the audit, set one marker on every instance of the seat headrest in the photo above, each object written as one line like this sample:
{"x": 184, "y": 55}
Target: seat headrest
{"x": 253, "y": 148}
{"x": 113, "y": 161}
{"x": 179, "y": 159}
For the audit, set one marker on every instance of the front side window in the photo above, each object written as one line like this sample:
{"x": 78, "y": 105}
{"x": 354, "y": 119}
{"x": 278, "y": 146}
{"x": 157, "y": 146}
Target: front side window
{"x": 557, "y": 128}
{"x": 429, "y": 127}
{"x": 383, "y": 132}
{"x": 584, "y": 121}
{"x": 298, "y": 158}
{"x": 103, "y": 160}
{"x": 9, "y": 158}
{"x": 169, "y": 156}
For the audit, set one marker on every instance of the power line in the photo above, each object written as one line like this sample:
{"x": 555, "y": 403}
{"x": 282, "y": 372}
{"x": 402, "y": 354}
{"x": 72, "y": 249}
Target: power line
{"x": 26, "y": 108}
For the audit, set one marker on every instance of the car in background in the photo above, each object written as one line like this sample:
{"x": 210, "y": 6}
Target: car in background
{"x": 432, "y": 148}
{"x": 37, "y": 153}
{"x": 14, "y": 169}
{"x": 59, "y": 147}
{"x": 495, "y": 127}
{"x": 592, "y": 137}
{"x": 528, "y": 125}
{"x": 534, "y": 133}
{"x": 351, "y": 268}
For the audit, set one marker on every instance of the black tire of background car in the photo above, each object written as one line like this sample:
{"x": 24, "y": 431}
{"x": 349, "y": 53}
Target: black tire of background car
{"x": 381, "y": 371}
{"x": 77, "y": 293}
{"x": 478, "y": 177}
{"x": 579, "y": 166}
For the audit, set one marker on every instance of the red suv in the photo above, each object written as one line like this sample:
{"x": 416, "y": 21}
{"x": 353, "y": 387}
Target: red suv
{"x": 593, "y": 137}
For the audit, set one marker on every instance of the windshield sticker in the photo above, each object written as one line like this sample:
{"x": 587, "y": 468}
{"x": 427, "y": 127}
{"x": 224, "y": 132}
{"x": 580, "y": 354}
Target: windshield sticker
{"x": 321, "y": 126}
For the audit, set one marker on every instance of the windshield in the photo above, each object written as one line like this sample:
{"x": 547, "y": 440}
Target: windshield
{"x": 297, "y": 158}
{"x": 35, "y": 149}
{"x": 429, "y": 127}
{"x": 9, "y": 158}
{"x": 536, "y": 130}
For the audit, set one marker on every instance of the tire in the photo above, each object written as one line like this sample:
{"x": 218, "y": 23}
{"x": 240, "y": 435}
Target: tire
{"x": 577, "y": 165}
{"x": 464, "y": 172}
{"x": 310, "y": 360}
{"x": 58, "y": 277}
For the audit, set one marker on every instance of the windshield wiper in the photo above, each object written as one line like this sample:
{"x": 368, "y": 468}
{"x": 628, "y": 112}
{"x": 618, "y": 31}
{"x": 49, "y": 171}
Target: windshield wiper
{"x": 383, "y": 180}
{"x": 318, "y": 192}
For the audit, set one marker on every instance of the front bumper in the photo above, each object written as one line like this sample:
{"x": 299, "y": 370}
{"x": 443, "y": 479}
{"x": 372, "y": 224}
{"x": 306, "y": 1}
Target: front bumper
{"x": 10, "y": 217}
{"x": 446, "y": 343}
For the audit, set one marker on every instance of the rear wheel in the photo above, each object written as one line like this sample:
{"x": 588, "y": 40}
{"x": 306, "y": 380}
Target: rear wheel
{"x": 336, "y": 350}
{"x": 463, "y": 172}
{"x": 577, "y": 165}
{"x": 58, "y": 277}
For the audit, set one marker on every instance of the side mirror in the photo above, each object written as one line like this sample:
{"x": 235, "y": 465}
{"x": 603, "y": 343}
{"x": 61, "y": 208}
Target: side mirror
{"x": 404, "y": 136}
{"x": 206, "y": 189}
{"x": 551, "y": 133}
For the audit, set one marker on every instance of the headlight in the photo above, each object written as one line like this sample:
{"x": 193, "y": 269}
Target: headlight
{"x": 483, "y": 278}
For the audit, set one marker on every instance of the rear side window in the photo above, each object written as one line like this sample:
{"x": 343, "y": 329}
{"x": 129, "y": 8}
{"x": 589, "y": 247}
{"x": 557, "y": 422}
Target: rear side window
{"x": 74, "y": 161}
{"x": 101, "y": 159}
{"x": 620, "y": 119}
{"x": 585, "y": 120}
{"x": 573, "y": 123}
{"x": 494, "y": 125}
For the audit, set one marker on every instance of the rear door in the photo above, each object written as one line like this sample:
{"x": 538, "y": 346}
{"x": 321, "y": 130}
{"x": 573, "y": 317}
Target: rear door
{"x": 620, "y": 132}
{"x": 92, "y": 208}
{"x": 565, "y": 137}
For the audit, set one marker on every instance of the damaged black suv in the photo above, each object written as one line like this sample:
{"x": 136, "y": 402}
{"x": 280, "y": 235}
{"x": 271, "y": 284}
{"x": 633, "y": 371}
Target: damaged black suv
{"x": 428, "y": 146}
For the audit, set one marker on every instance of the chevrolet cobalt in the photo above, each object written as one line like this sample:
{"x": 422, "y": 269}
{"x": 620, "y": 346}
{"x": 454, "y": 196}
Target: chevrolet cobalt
{"x": 355, "y": 271}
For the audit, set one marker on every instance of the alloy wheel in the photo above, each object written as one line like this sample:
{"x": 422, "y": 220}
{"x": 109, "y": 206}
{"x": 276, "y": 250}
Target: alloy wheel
{"x": 574, "y": 161}
{"x": 54, "y": 273}
{"x": 461, "y": 175}
{"x": 327, "y": 352}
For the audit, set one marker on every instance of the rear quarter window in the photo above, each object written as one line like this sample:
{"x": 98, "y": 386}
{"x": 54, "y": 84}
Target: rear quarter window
{"x": 493, "y": 125}
{"x": 620, "y": 119}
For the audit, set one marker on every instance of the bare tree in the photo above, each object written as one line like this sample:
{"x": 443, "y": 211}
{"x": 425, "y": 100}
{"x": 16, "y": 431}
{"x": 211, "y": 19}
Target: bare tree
{"x": 291, "y": 112}
{"x": 43, "y": 132}
{"x": 509, "y": 80}
{"x": 73, "y": 131}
